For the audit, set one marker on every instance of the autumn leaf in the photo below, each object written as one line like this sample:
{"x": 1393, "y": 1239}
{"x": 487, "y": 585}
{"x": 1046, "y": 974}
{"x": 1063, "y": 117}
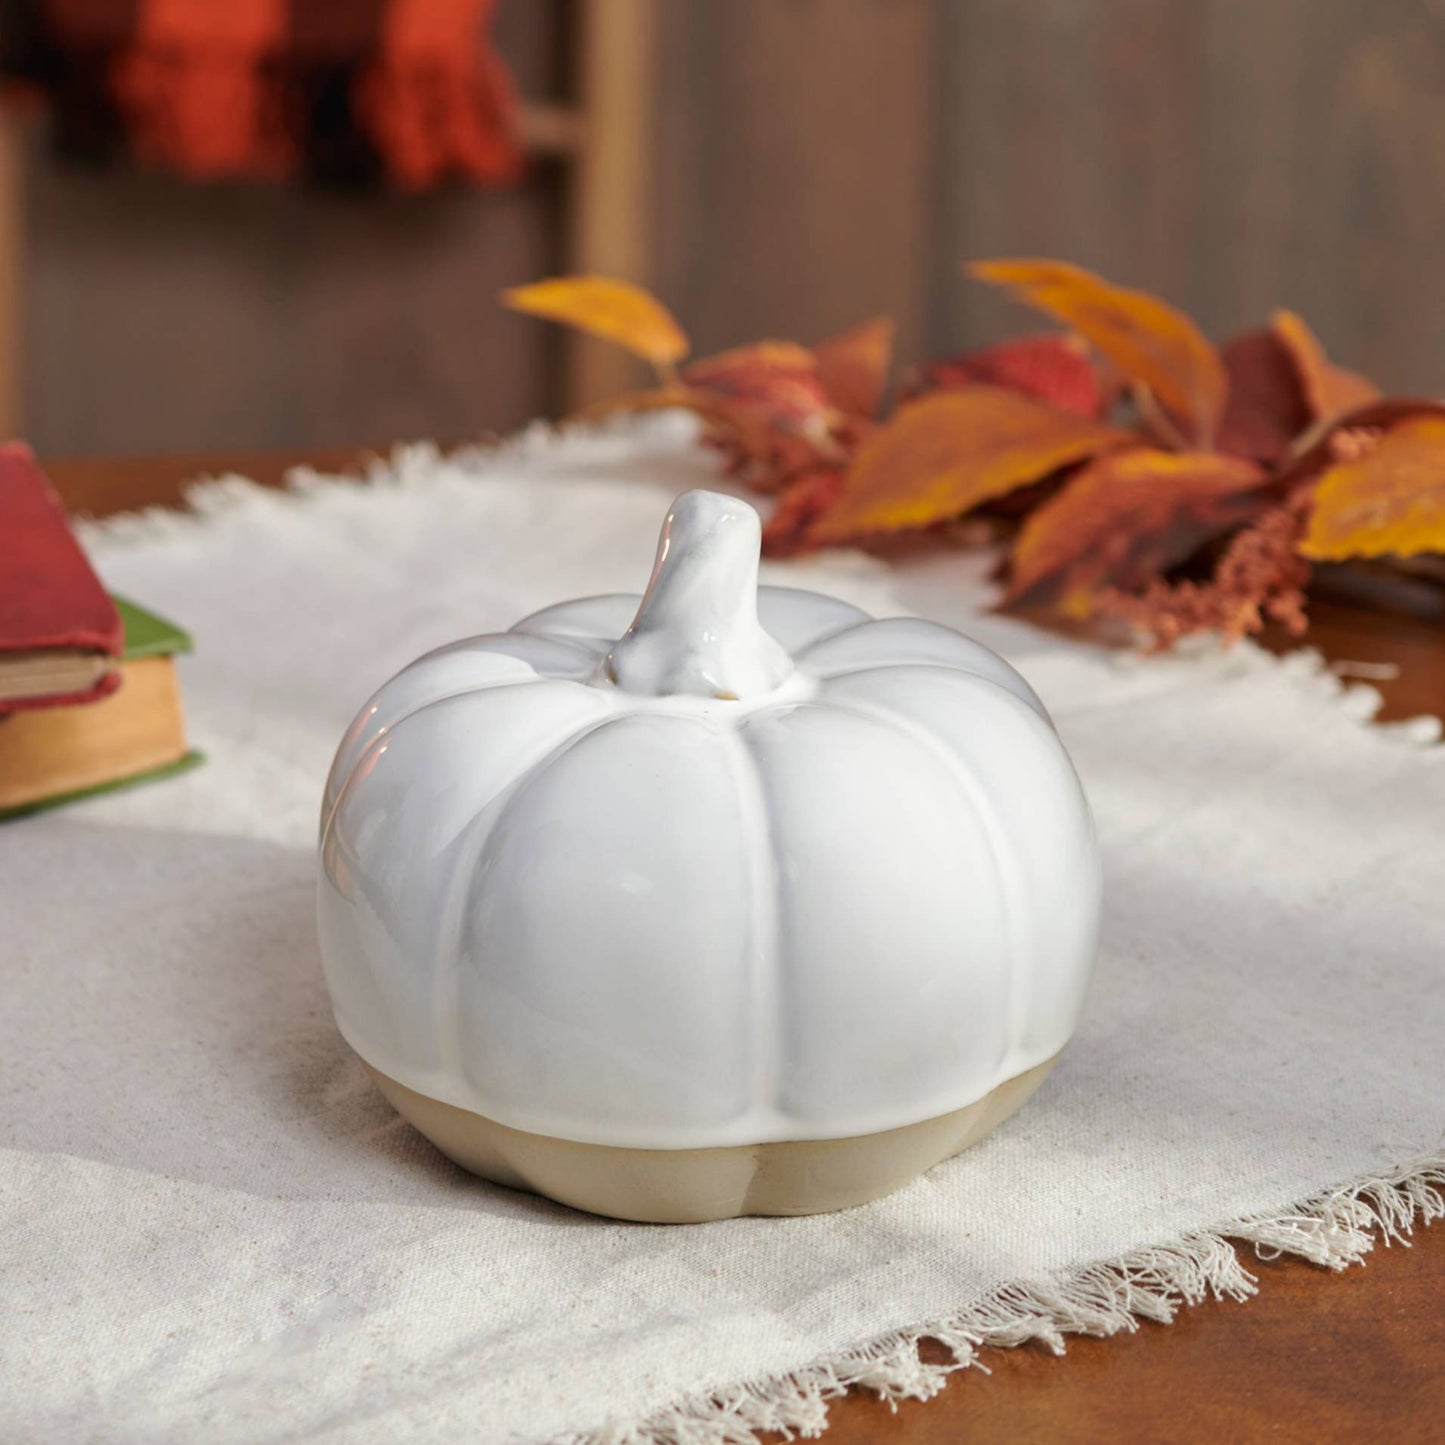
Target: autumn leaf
{"x": 769, "y": 414}
{"x": 803, "y": 501}
{"x": 853, "y": 366}
{"x": 614, "y": 310}
{"x": 1390, "y": 500}
{"x": 1328, "y": 389}
{"x": 1267, "y": 408}
{"x": 947, "y": 452}
{"x": 1283, "y": 388}
{"x": 754, "y": 450}
{"x": 1319, "y": 447}
{"x": 1052, "y": 368}
{"x": 776, "y": 382}
{"x": 1128, "y": 516}
{"x": 1149, "y": 341}
{"x": 763, "y": 408}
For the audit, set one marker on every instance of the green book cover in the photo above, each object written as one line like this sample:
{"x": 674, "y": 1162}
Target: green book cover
{"x": 182, "y": 764}
{"x": 147, "y": 635}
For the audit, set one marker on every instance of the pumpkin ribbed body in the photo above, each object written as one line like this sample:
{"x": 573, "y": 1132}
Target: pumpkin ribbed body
{"x": 861, "y": 898}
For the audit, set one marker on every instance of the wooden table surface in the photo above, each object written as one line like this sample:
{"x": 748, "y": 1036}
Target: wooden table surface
{"x": 1352, "y": 1357}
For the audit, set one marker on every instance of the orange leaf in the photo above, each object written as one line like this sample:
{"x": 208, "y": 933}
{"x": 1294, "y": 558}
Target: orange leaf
{"x": 853, "y": 366}
{"x": 760, "y": 449}
{"x": 1145, "y": 338}
{"x": 777, "y": 355}
{"x": 947, "y": 452}
{"x": 1328, "y": 389}
{"x": 770, "y": 415}
{"x": 777, "y": 382}
{"x": 614, "y": 310}
{"x": 1390, "y": 500}
{"x": 1125, "y": 518}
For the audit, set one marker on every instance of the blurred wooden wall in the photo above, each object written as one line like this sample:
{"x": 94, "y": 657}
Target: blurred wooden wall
{"x": 822, "y": 160}
{"x": 813, "y": 162}
{"x": 794, "y": 174}
{"x": 1235, "y": 155}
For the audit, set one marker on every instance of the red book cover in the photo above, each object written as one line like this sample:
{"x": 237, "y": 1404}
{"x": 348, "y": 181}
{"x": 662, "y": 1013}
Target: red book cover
{"x": 50, "y": 599}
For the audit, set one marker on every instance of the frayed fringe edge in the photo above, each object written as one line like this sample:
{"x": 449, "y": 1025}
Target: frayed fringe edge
{"x": 1336, "y": 1228}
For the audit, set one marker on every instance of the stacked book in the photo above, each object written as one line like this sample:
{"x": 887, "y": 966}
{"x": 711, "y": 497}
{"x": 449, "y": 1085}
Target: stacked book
{"x": 89, "y": 698}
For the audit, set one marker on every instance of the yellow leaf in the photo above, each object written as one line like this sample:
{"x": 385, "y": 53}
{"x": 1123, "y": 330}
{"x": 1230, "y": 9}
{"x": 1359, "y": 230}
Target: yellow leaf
{"x": 1148, "y": 340}
{"x": 1391, "y": 500}
{"x": 1126, "y": 517}
{"x": 949, "y": 451}
{"x": 614, "y": 310}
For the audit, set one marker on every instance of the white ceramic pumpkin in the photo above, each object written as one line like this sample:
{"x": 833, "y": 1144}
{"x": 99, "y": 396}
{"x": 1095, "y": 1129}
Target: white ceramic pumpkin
{"x": 726, "y": 899}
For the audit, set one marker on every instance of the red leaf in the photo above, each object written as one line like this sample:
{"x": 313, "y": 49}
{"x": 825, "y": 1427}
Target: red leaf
{"x": 800, "y": 504}
{"x": 1050, "y": 367}
{"x": 1266, "y": 410}
{"x": 1280, "y": 381}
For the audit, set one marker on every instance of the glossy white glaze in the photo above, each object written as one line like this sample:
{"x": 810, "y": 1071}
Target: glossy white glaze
{"x": 697, "y": 632}
{"x": 696, "y": 870}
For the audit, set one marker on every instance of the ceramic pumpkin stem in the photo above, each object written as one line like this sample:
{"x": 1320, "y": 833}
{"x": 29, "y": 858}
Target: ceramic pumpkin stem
{"x": 697, "y": 631}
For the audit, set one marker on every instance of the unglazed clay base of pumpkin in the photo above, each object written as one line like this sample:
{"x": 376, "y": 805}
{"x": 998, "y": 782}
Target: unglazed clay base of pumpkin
{"x": 690, "y": 1186}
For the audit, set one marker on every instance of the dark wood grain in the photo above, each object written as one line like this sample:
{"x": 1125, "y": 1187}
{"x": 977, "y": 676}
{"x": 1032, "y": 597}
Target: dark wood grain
{"x": 1234, "y": 155}
{"x": 1316, "y": 1359}
{"x": 793, "y": 166}
{"x": 824, "y": 159}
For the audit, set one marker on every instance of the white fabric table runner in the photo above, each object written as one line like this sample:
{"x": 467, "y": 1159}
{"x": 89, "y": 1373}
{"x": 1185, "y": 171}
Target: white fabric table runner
{"x": 212, "y": 1228}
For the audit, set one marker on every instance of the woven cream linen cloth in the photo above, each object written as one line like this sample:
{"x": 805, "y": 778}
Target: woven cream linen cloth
{"x": 213, "y": 1229}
